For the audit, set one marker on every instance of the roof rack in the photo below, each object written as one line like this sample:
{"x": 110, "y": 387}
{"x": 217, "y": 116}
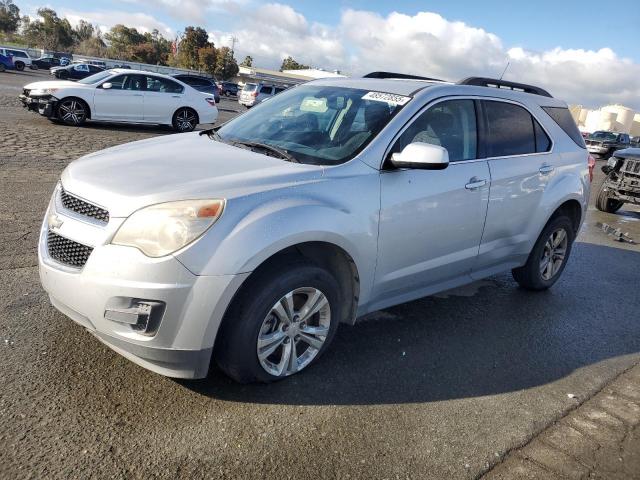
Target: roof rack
{"x": 399, "y": 75}
{"x": 495, "y": 83}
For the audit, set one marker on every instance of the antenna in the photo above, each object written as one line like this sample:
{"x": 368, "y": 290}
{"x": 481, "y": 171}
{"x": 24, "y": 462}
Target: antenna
{"x": 505, "y": 70}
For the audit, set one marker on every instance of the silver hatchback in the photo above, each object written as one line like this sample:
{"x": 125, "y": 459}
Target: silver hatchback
{"x": 248, "y": 244}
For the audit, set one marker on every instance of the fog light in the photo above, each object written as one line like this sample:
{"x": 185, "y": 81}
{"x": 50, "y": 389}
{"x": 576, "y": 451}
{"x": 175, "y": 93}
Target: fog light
{"x": 143, "y": 316}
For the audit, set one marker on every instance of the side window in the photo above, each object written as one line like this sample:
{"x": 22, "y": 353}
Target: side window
{"x": 94, "y": 69}
{"x": 450, "y": 124}
{"x": 510, "y": 130}
{"x": 127, "y": 82}
{"x": 163, "y": 85}
{"x": 82, "y": 68}
{"x": 543, "y": 142}
{"x": 266, "y": 90}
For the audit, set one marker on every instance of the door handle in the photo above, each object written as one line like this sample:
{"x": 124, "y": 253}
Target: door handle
{"x": 175, "y": 96}
{"x": 475, "y": 183}
{"x": 546, "y": 169}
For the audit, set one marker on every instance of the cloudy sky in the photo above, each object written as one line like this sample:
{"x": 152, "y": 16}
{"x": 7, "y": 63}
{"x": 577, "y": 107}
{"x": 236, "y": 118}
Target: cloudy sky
{"x": 585, "y": 52}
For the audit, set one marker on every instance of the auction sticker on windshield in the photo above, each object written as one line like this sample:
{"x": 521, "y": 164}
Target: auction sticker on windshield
{"x": 386, "y": 97}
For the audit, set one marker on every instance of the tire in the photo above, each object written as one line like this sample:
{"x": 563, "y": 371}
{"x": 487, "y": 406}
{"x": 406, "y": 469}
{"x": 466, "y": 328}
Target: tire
{"x": 252, "y": 324}
{"x": 606, "y": 204}
{"x": 72, "y": 111}
{"x": 544, "y": 265}
{"x": 185, "y": 120}
{"x": 19, "y": 66}
{"x": 63, "y": 75}
{"x": 2, "y": 67}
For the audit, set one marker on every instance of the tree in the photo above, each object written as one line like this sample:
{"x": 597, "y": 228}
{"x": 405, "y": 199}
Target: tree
{"x": 122, "y": 39}
{"x": 83, "y": 31}
{"x": 207, "y": 60}
{"x": 193, "y": 39}
{"x": 48, "y": 31}
{"x": 290, "y": 64}
{"x": 9, "y": 16}
{"x": 247, "y": 62}
{"x": 226, "y": 65}
{"x": 93, "y": 47}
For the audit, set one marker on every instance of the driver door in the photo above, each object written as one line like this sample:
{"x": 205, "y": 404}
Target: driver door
{"x": 431, "y": 221}
{"x": 124, "y": 101}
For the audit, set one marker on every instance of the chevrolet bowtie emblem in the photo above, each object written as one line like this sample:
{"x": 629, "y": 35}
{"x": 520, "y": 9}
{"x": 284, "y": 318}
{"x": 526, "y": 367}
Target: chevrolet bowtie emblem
{"x": 54, "y": 221}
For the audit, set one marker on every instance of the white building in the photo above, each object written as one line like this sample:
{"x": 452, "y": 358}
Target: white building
{"x": 614, "y": 118}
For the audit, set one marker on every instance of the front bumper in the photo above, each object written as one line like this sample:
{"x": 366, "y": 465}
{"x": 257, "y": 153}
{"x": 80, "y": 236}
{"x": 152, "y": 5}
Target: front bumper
{"x": 45, "y": 105}
{"x": 182, "y": 344}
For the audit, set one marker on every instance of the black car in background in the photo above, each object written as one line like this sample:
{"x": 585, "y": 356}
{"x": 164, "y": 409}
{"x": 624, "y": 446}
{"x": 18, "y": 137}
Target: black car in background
{"x": 76, "y": 71}
{"x": 45, "y": 63}
{"x": 202, "y": 84}
{"x": 604, "y": 143}
{"x": 229, "y": 88}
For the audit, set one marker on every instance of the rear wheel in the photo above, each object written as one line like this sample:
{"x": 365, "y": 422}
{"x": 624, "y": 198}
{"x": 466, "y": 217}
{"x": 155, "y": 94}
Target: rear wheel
{"x": 2, "y": 67}
{"x": 549, "y": 256}
{"x": 185, "y": 120}
{"x": 72, "y": 111}
{"x": 19, "y": 66}
{"x": 63, "y": 75}
{"x": 279, "y": 324}
{"x": 606, "y": 204}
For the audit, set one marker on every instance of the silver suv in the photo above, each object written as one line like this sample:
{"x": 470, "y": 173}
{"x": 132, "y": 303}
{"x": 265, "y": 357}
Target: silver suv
{"x": 250, "y": 243}
{"x": 254, "y": 93}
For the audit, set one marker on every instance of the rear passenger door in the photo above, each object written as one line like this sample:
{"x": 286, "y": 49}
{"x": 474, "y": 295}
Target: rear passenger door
{"x": 161, "y": 99}
{"x": 521, "y": 161}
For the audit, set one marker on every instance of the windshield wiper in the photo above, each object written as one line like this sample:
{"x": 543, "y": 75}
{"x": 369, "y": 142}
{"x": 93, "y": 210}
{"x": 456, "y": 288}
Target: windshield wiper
{"x": 270, "y": 148}
{"x": 213, "y": 134}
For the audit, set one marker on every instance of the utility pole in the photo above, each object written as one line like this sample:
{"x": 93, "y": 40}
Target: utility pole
{"x": 233, "y": 44}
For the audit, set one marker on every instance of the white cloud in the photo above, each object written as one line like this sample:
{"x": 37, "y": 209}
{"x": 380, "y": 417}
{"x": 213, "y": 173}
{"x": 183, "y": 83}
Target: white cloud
{"x": 430, "y": 45}
{"x": 194, "y": 11}
{"x": 107, "y": 19}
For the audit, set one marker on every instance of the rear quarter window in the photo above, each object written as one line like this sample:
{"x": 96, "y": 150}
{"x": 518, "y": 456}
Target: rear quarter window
{"x": 563, "y": 118}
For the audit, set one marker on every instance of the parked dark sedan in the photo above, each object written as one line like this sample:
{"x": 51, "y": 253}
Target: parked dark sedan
{"x": 75, "y": 71}
{"x": 45, "y": 63}
{"x": 202, "y": 84}
{"x": 230, "y": 88}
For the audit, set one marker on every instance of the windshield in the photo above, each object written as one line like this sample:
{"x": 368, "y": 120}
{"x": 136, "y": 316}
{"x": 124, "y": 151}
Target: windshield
{"x": 95, "y": 78}
{"x": 316, "y": 124}
{"x": 606, "y": 136}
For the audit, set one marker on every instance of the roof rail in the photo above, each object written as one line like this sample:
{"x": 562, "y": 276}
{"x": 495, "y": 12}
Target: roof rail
{"x": 495, "y": 83}
{"x": 399, "y": 75}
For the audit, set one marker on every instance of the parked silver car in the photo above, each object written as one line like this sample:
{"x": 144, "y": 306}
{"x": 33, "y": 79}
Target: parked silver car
{"x": 251, "y": 242}
{"x": 255, "y": 93}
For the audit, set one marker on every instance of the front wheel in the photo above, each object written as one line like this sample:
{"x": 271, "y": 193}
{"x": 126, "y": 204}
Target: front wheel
{"x": 549, "y": 256}
{"x": 19, "y": 66}
{"x": 185, "y": 120}
{"x": 279, "y": 324}
{"x": 606, "y": 204}
{"x": 72, "y": 111}
{"x": 2, "y": 67}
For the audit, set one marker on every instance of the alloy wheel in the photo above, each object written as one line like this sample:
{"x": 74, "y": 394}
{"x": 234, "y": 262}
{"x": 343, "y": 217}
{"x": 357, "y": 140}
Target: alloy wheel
{"x": 553, "y": 254}
{"x": 294, "y": 331}
{"x": 186, "y": 120}
{"x": 72, "y": 111}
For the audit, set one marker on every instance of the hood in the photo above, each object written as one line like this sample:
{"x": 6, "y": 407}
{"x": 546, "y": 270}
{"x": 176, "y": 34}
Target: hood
{"x": 54, "y": 84}
{"x": 177, "y": 167}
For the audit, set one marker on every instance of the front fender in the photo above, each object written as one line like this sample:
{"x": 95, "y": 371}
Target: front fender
{"x": 256, "y": 227}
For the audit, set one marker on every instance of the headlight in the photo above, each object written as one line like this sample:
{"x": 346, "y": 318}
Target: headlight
{"x": 162, "y": 229}
{"x": 44, "y": 91}
{"x": 612, "y": 162}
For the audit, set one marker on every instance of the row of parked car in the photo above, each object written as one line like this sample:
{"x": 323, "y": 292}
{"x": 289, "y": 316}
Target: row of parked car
{"x": 603, "y": 143}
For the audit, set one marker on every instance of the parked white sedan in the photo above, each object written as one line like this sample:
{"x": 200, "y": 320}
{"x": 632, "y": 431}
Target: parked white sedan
{"x": 122, "y": 95}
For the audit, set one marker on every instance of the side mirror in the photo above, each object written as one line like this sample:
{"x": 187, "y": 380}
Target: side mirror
{"x": 107, "y": 85}
{"x": 423, "y": 156}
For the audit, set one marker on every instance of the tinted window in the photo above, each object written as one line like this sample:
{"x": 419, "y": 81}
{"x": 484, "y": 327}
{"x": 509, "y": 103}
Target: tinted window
{"x": 195, "y": 81}
{"x": 563, "y": 118}
{"x": 17, "y": 53}
{"x": 450, "y": 124}
{"x": 163, "y": 85}
{"x": 510, "y": 130}
{"x": 127, "y": 82}
{"x": 94, "y": 69}
{"x": 81, "y": 68}
{"x": 266, "y": 90}
{"x": 543, "y": 143}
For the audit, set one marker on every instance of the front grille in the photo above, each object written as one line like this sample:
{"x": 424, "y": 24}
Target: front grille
{"x": 631, "y": 166}
{"x": 87, "y": 209}
{"x": 67, "y": 251}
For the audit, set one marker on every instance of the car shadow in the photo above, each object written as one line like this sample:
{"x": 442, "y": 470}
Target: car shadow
{"x": 485, "y": 339}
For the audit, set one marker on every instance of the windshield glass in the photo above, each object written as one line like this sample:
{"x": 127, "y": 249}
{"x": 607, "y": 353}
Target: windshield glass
{"x": 316, "y": 124}
{"x": 95, "y": 78}
{"x": 606, "y": 136}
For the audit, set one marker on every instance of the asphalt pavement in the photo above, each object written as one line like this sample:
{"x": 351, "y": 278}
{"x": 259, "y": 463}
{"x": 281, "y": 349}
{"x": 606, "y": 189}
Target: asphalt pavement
{"x": 443, "y": 387}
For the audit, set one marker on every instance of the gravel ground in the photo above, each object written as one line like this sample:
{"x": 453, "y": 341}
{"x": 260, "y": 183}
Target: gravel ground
{"x": 443, "y": 387}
